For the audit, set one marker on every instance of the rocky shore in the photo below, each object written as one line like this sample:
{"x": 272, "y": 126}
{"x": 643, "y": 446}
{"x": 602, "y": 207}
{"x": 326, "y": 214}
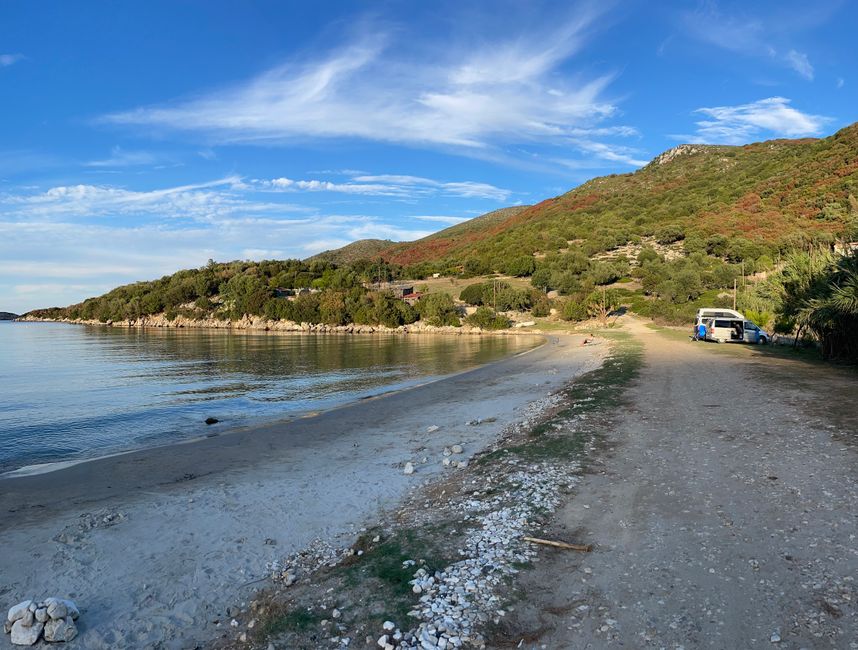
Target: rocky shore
{"x": 258, "y": 323}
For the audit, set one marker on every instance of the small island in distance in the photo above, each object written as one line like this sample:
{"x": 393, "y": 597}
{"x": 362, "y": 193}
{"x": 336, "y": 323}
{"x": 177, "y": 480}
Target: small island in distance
{"x": 7, "y": 315}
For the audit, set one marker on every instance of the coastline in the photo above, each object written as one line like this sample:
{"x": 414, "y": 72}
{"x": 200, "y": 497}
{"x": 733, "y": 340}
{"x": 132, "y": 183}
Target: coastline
{"x": 191, "y": 523}
{"x": 260, "y": 324}
{"x": 40, "y": 469}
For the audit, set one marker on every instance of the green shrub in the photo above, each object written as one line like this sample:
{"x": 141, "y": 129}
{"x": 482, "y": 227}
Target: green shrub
{"x": 573, "y": 309}
{"x": 438, "y": 309}
{"x": 487, "y": 319}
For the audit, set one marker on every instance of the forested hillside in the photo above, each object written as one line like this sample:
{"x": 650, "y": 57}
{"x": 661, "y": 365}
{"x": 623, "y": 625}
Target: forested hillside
{"x": 740, "y": 202}
{"x": 773, "y": 219}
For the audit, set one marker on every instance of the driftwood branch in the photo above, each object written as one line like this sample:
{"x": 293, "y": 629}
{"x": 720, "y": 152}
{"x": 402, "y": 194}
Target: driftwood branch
{"x": 584, "y": 548}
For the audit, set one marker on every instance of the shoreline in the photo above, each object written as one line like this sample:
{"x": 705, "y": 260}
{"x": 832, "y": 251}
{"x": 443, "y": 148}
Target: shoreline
{"x": 40, "y": 469}
{"x": 156, "y": 544}
{"x": 260, "y": 324}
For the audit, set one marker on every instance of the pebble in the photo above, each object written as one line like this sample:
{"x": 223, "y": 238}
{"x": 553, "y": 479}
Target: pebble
{"x": 409, "y": 468}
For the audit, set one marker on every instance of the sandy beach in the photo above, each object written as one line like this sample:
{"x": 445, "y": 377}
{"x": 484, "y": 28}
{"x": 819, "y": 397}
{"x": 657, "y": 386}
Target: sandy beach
{"x": 155, "y": 545}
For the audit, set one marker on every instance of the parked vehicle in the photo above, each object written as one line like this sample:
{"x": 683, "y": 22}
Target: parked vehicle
{"x": 706, "y": 314}
{"x": 735, "y": 330}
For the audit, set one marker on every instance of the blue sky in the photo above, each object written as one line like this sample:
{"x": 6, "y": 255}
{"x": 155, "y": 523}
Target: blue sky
{"x": 140, "y": 138}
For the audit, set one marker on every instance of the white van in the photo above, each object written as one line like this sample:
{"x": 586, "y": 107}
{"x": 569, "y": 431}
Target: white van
{"x": 706, "y": 313}
{"x": 734, "y": 330}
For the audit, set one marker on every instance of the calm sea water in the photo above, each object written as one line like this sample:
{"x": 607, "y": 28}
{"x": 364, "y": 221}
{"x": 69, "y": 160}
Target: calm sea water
{"x": 71, "y": 392}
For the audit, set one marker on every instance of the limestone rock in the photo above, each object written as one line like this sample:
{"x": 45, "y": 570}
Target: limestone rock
{"x": 57, "y": 609}
{"x": 19, "y": 610}
{"x": 23, "y": 635}
{"x": 42, "y": 614}
{"x": 409, "y": 468}
{"x": 457, "y": 449}
{"x": 60, "y": 630}
{"x": 28, "y": 618}
{"x": 71, "y": 608}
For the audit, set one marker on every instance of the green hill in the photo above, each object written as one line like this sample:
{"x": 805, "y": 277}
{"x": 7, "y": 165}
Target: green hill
{"x": 679, "y": 232}
{"x": 357, "y": 250}
{"x": 749, "y": 200}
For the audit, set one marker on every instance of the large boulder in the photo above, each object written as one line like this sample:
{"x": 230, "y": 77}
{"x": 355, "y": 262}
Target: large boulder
{"x": 71, "y": 608}
{"x": 24, "y": 635}
{"x": 61, "y": 630}
{"x": 19, "y": 610}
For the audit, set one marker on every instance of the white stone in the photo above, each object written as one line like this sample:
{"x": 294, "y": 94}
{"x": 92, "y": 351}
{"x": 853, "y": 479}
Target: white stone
{"x": 335, "y": 613}
{"x": 457, "y": 449}
{"x": 19, "y": 610}
{"x": 409, "y": 468}
{"x": 432, "y": 429}
{"x": 775, "y": 638}
{"x": 23, "y": 635}
{"x": 60, "y": 630}
{"x": 382, "y": 641}
{"x": 388, "y": 626}
{"x": 57, "y": 609}
{"x": 42, "y": 614}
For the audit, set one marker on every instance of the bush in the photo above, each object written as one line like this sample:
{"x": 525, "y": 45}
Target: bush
{"x": 573, "y": 310}
{"x": 520, "y": 266}
{"x": 541, "y": 306}
{"x": 487, "y": 319}
{"x": 473, "y": 294}
{"x": 438, "y": 309}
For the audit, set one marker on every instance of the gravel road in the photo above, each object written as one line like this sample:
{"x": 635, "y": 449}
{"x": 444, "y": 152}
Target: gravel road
{"x": 723, "y": 512}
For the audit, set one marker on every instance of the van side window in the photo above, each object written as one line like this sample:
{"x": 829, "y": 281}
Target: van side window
{"x": 722, "y": 323}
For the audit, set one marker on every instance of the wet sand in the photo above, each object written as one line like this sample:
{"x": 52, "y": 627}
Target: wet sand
{"x": 155, "y": 544}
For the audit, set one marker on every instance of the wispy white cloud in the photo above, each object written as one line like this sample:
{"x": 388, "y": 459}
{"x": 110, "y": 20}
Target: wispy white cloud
{"x": 391, "y": 185}
{"x": 89, "y": 259}
{"x": 840, "y": 82}
{"x": 473, "y": 97}
{"x": 800, "y": 63}
{"x": 10, "y": 59}
{"x": 764, "y": 118}
{"x": 123, "y": 158}
{"x": 747, "y": 34}
{"x": 213, "y": 200}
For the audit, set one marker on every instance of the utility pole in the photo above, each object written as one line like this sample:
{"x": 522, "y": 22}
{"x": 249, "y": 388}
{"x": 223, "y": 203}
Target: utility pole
{"x": 734, "y": 294}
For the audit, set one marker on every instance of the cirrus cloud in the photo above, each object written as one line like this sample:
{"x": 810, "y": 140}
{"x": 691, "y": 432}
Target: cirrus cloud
{"x": 766, "y": 117}
{"x": 473, "y": 99}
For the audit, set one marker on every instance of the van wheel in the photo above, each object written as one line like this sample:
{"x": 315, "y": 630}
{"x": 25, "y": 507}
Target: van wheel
{"x": 763, "y": 340}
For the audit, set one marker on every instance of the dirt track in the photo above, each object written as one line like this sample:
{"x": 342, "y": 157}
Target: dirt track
{"x": 723, "y": 511}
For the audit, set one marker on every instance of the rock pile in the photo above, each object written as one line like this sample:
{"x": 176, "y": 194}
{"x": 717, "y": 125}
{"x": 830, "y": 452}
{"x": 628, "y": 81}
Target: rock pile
{"x": 54, "y": 617}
